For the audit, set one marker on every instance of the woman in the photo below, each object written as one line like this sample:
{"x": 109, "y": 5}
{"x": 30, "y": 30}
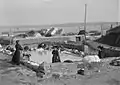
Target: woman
{"x": 101, "y": 52}
{"x": 56, "y": 57}
{"x": 16, "y": 56}
{"x": 26, "y": 54}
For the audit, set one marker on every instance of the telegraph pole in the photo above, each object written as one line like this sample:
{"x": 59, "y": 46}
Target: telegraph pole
{"x": 101, "y": 30}
{"x": 10, "y": 35}
{"x": 85, "y": 20}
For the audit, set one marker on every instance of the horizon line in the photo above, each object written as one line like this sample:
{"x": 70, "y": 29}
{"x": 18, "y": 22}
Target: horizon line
{"x": 101, "y": 22}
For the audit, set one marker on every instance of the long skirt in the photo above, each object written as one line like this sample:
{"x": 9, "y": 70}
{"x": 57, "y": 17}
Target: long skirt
{"x": 55, "y": 59}
{"x": 16, "y": 58}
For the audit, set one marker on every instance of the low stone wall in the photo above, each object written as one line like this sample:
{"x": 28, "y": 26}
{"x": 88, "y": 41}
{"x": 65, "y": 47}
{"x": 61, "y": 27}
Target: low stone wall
{"x": 44, "y": 39}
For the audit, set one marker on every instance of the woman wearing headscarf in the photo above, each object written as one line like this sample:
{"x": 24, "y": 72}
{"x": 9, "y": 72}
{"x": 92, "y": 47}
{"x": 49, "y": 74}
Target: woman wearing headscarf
{"x": 16, "y": 56}
{"x": 56, "y": 57}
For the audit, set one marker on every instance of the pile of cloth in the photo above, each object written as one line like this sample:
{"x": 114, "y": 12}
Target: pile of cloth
{"x": 91, "y": 58}
{"x": 7, "y": 50}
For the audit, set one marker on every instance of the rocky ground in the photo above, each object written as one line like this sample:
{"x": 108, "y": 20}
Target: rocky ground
{"x": 59, "y": 74}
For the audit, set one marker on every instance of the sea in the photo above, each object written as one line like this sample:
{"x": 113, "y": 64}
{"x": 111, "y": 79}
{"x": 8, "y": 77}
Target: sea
{"x": 67, "y": 28}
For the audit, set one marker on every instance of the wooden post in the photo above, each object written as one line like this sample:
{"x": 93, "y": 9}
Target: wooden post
{"x": 85, "y": 19}
{"x": 101, "y": 30}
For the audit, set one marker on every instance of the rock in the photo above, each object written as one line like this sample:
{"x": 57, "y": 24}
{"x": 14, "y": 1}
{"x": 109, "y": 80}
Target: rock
{"x": 39, "y": 74}
{"x": 56, "y": 76}
{"x": 81, "y": 72}
{"x": 41, "y": 69}
{"x": 115, "y": 62}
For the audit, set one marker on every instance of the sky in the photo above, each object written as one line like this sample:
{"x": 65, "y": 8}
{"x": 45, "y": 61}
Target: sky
{"x": 119, "y": 11}
{"x": 40, "y": 12}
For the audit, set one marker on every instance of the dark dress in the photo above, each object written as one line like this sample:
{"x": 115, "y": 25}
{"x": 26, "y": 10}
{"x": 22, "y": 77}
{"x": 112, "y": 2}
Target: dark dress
{"x": 16, "y": 56}
{"x": 101, "y": 53}
{"x": 56, "y": 57}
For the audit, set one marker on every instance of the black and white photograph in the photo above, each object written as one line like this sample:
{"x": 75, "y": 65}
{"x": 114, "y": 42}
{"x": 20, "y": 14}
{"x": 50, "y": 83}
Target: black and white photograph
{"x": 59, "y": 42}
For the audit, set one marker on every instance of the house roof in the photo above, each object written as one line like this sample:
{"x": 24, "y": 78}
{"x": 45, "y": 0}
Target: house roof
{"x": 115, "y": 30}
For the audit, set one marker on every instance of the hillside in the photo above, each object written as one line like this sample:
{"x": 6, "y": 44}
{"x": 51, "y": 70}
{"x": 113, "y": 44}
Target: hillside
{"x": 61, "y": 25}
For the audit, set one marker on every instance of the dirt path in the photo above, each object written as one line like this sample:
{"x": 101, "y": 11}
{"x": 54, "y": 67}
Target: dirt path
{"x": 20, "y": 75}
